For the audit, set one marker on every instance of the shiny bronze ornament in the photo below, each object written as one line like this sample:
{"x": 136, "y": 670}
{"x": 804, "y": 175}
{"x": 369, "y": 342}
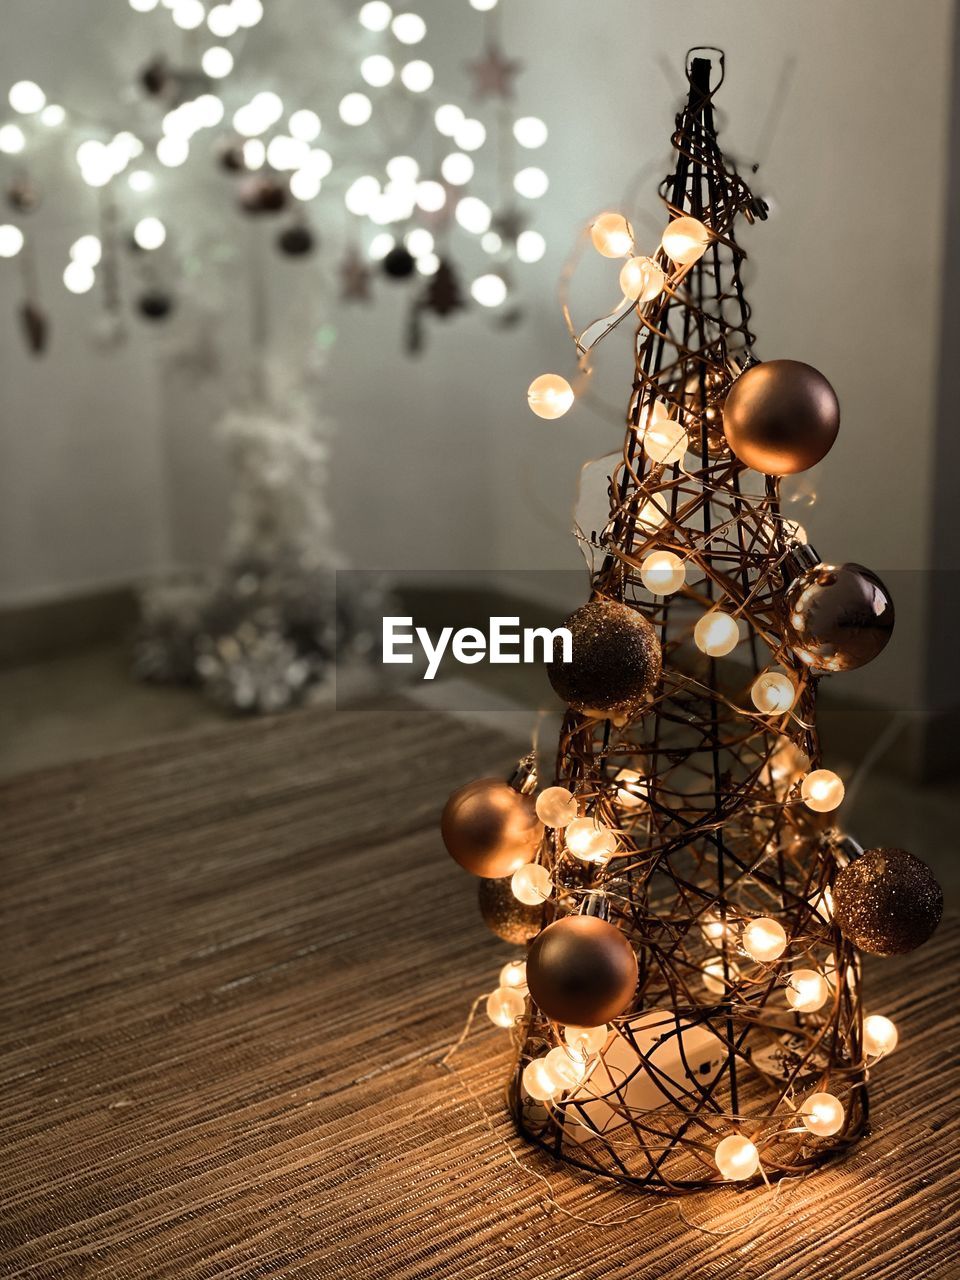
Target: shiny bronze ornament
{"x": 296, "y": 241}
{"x": 399, "y": 263}
{"x": 490, "y": 829}
{"x": 887, "y": 902}
{"x": 701, "y": 401}
{"x": 155, "y": 304}
{"x": 582, "y": 971}
{"x": 780, "y": 417}
{"x": 505, "y": 915}
{"x": 262, "y": 193}
{"x": 617, "y": 660}
{"x": 838, "y": 617}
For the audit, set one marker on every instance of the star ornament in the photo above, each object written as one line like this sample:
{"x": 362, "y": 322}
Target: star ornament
{"x": 493, "y": 74}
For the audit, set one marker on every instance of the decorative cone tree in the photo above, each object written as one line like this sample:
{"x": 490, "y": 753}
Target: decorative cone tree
{"x": 694, "y": 1011}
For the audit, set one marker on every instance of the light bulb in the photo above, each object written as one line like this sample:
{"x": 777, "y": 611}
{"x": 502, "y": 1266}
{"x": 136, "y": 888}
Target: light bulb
{"x": 531, "y": 246}
{"x": 483, "y": 5}
{"x": 143, "y": 6}
{"x": 586, "y": 1040}
{"x": 663, "y": 573}
{"x": 247, "y": 12}
{"x": 550, "y": 396}
{"x": 285, "y": 153}
{"x": 764, "y": 939}
{"x": 53, "y": 115}
{"x": 304, "y": 125}
{"x": 11, "y": 240}
{"x": 269, "y": 105}
{"x": 87, "y": 250}
{"x": 879, "y": 1035}
{"x": 714, "y": 929}
{"x": 375, "y": 15}
{"x": 355, "y": 109}
{"x": 149, "y": 233}
{"x": 361, "y": 195}
{"x": 457, "y": 168}
{"x": 612, "y": 235}
{"x": 664, "y": 441}
{"x": 403, "y": 169}
{"x": 470, "y": 135}
{"x": 491, "y": 242}
{"x": 556, "y": 807}
{"x": 417, "y": 76}
{"x": 448, "y": 119}
{"x": 651, "y": 515}
{"x": 505, "y": 1006}
{"x": 713, "y": 978}
{"x": 514, "y": 974}
{"x": 428, "y": 264}
{"x": 305, "y": 185}
{"x": 685, "y": 241}
{"x": 590, "y": 841}
{"x": 531, "y": 183}
{"x": 806, "y": 990}
{"x": 26, "y": 97}
{"x": 188, "y": 14}
{"x": 564, "y": 1069}
{"x": 773, "y": 693}
{"x": 217, "y": 62}
{"x": 318, "y": 162}
{"x": 254, "y": 154}
{"x": 409, "y": 28}
{"x": 641, "y": 279}
{"x": 531, "y": 884}
{"x": 822, "y": 790}
{"x": 537, "y": 1081}
{"x": 473, "y": 215}
{"x": 419, "y": 241}
{"x": 822, "y": 1114}
{"x": 12, "y": 139}
{"x": 530, "y": 132}
{"x": 377, "y": 70}
{"x": 431, "y": 196}
{"x": 222, "y": 22}
{"x": 489, "y": 290}
{"x": 78, "y": 277}
{"x": 172, "y": 151}
{"x": 716, "y": 634}
{"x": 632, "y": 788}
{"x": 380, "y": 245}
{"x": 737, "y": 1158}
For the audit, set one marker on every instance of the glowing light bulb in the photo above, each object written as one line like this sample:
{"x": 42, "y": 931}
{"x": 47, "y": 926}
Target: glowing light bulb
{"x": 375, "y": 15}
{"x": 419, "y": 241}
{"x": 172, "y": 152}
{"x": 514, "y": 974}
{"x": 305, "y": 185}
{"x": 12, "y": 139}
{"x": 491, "y": 242}
{"x": 590, "y": 841}
{"x": 304, "y": 125}
{"x": 531, "y": 183}
{"x": 531, "y": 884}
{"x": 285, "y": 153}
{"x": 685, "y": 241}
{"x": 531, "y": 246}
{"x": 431, "y": 196}
{"x": 417, "y": 76}
{"x": 664, "y": 440}
{"x": 222, "y": 22}
{"x": 448, "y": 119}
{"x": 87, "y": 250}
{"x": 403, "y": 169}
{"x": 11, "y": 240}
{"x": 53, "y": 115}
{"x": 361, "y": 195}
{"x": 489, "y": 290}
{"x": 651, "y": 515}
{"x": 641, "y": 280}
{"x": 764, "y": 939}
{"x": 822, "y": 1114}
{"x": 663, "y": 573}
{"x": 586, "y": 1040}
{"x": 712, "y": 976}
{"x": 505, "y": 1006}
{"x": 79, "y": 277}
{"x": 716, "y": 634}
{"x": 737, "y": 1158}
{"x": 380, "y": 245}
{"x": 773, "y": 693}
{"x": 537, "y": 1081}
{"x": 612, "y": 235}
{"x": 355, "y": 109}
{"x": 473, "y": 215}
{"x": 149, "y": 233}
{"x": 483, "y": 5}
{"x": 880, "y": 1036}
{"x": 428, "y": 264}
{"x": 27, "y": 98}
{"x": 806, "y": 990}
{"x": 409, "y": 28}
{"x": 319, "y": 162}
{"x": 457, "y": 168}
{"x": 564, "y": 1069}
{"x": 188, "y": 14}
{"x": 530, "y": 132}
{"x": 822, "y": 790}
{"x": 217, "y": 62}
{"x": 632, "y": 788}
{"x": 556, "y": 807}
{"x": 254, "y": 154}
{"x": 247, "y": 12}
{"x": 143, "y": 6}
{"x": 714, "y": 929}
{"x": 550, "y": 396}
{"x": 470, "y": 135}
{"x": 377, "y": 70}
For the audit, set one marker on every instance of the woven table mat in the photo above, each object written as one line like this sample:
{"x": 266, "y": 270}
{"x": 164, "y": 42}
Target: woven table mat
{"x": 231, "y": 964}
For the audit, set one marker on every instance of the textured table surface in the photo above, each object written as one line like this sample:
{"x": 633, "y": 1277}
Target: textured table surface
{"x": 231, "y": 965}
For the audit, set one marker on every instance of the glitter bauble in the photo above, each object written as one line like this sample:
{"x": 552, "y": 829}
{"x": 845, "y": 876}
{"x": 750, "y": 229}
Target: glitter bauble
{"x": 399, "y": 263}
{"x": 780, "y": 417}
{"x": 887, "y": 902}
{"x": 505, "y": 915}
{"x": 582, "y": 971}
{"x": 617, "y": 660}
{"x": 155, "y": 304}
{"x": 838, "y": 617}
{"x": 296, "y": 241}
{"x": 490, "y": 829}
{"x": 262, "y": 193}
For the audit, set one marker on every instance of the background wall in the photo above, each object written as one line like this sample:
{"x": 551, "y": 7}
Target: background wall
{"x": 109, "y": 470}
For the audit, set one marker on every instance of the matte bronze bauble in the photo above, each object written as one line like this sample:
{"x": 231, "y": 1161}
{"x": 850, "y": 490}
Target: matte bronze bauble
{"x": 399, "y": 263}
{"x": 582, "y": 971}
{"x": 505, "y": 915}
{"x": 839, "y": 617}
{"x": 155, "y": 304}
{"x": 887, "y": 902}
{"x": 262, "y": 193}
{"x": 490, "y": 829}
{"x": 617, "y": 660}
{"x": 230, "y": 157}
{"x": 296, "y": 241}
{"x": 781, "y": 417}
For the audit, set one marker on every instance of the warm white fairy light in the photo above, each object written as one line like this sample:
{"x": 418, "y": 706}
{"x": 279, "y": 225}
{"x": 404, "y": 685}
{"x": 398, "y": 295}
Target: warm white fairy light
{"x": 26, "y": 97}
{"x": 716, "y": 634}
{"x": 403, "y": 169}
{"x": 530, "y": 132}
{"x": 149, "y": 233}
{"x": 11, "y": 240}
{"x": 611, "y": 235}
{"x": 355, "y": 109}
{"x": 305, "y": 185}
{"x": 448, "y": 118}
{"x": 247, "y": 12}
{"x": 822, "y": 1114}
{"x": 217, "y": 62}
{"x": 764, "y": 939}
{"x": 143, "y": 6}
{"x": 807, "y": 990}
{"x": 409, "y": 28}
{"x": 550, "y": 395}
{"x": 531, "y": 884}
{"x": 663, "y": 573}
{"x": 12, "y": 139}
{"x": 685, "y": 241}
{"x": 531, "y": 183}
{"x": 285, "y": 153}
{"x": 715, "y": 978}
{"x": 714, "y": 928}
{"x": 208, "y": 109}
{"x": 419, "y": 241}
{"x": 431, "y": 196}
{"x": 188, "y": 14}
{"x": 556, "y": 807}
{"x": 222, "y": 21}
{"x": 87, "y": 250}
{"x": 172, "y": 152}
{"x": 737, "y": 1158}
{"x": 587, "y": 1041}
{"x": 457, "y": 168}
{"x": 505, "y": 1006}
{"x": 773, "y": 693}
{"x": 473, "y": 215}
{"x": 491, "y": 242}
{"x": 254, "y": 153}
{"x": 470, "y": 135}
{"x": 377, "y": 70}
{"x": 880, "y": 1036}
{"x": 319, "y": 162}
{"x": 489, "y": 290}
{"x": 531, "y": 246}
{"x": 641, "y": 279}
{"x": 514, "y": 974}
{"x": 79, "y": 277}
{"x": 417, "y": 76}
{"x": 590, "y": 841}
{"x": 664, "y": 440}
{"x": 632, "y": 788}
{"x": 428, "y": 264}
{"x": 565, "y": 1067}
{"x": 53, "y": 115}
{"x": 361, "y": 194}
{"x": 375, "y": 15}
{"x": 822, "y": 790}
{"x": 304, "y": 125}
{"x": 537, "y": 1081}
{"x": 483, "y": 6}
{"x": 380, "y": 245}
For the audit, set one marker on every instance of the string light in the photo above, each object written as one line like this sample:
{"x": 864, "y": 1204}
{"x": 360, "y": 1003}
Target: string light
{"x": 483, "y": 5}
{"x": 254, "y": 153}
{"x": 53, "y": 115}
{"x": 222, "y": 21}
{"x": 78, "y": 277}
{"x": 586, "y": 1041}
{"x": 473, "y": 215}
{"x": 714, "y": 978}
{"x": 470, "y": 135}
{"x": 489, "y": 290}
{"x": 556, "y": 807}
{"x": 531, "y": 884}
{"x": 361, "y": 194}
{"x": 880, "y": 1036}
{"x": 611, "y": 235}
{"x": 149, "y": 233}
{"x": 217, "y": 62}
{"x": 663, "y": 573}
{"x": 172, "y": 152}
{"x": 143, "y": 6}
{"x": 419, "y": 241}
{"x": 428, "y": 264}
{"x": 537, "y": 1081}
{"x": 285, "y": 153}
{"x": 822, "y": 1113}
{"x": 550, "y": 395}
{"x": 457, "y": 168}
{"x": 716, "y": 634}
{"x": 664, "y": 441}
{"x": 375, "y": 15}
{"x": 565, "y": 1070}
{"x": 531, "y": 183}
{"x": 505, "y": 1006}
{"x": 409, "y": 28}
{"x": 304, "y": 125}
{"x": 448, "y": 119}
{"x": 87, "y": 250}
{"x": 531, "y": 246}
{"x": 514, "y": 974}
{"x": 377, "y": 70}
{"x": 188, "y": 14}
{"x": 27, "y": 97}
{"x": 431, "y": 196}
{"x": 417, "y": 76}
{"x": 641, "y": 279}
{"x": 530, "y": 132}
{"x": 632, "y": 788}
{"x": 685, "y": 241}
{"x": 12, "y": 139}
{"x": 822, "y": 790}
{"x": 247, "y": 12}
{"x": 807, "y": 990}
{"x": 590, "y": 841}
{"x": 737, "y": 1158}
{"x": 491, "y": 242}
{"x": 764, "y": 939}
{"x": 355, "y": 109}
{"x": 305, "y": 185}
{"x": 11, "y": 240}
{"x": 773, "y": 692}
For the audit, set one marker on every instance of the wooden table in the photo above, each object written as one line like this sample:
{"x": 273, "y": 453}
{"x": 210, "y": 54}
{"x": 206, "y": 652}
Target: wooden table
{"x": 231, "y": 964}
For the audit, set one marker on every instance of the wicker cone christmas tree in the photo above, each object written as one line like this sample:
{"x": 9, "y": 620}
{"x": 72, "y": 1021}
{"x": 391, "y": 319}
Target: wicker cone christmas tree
{"x": 694, "y": 1011}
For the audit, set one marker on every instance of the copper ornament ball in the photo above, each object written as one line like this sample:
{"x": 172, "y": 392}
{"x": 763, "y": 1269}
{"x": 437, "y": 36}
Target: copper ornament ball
{"x": 781, "y": 417}
{"x": 838, "y": 617}
{"x": 505, "y": 915}
{"x": 887, "y": 902}
{"x": 490, "y": 829}
{"x": 582, "y": 971}
{"x": 617, "y": 660}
